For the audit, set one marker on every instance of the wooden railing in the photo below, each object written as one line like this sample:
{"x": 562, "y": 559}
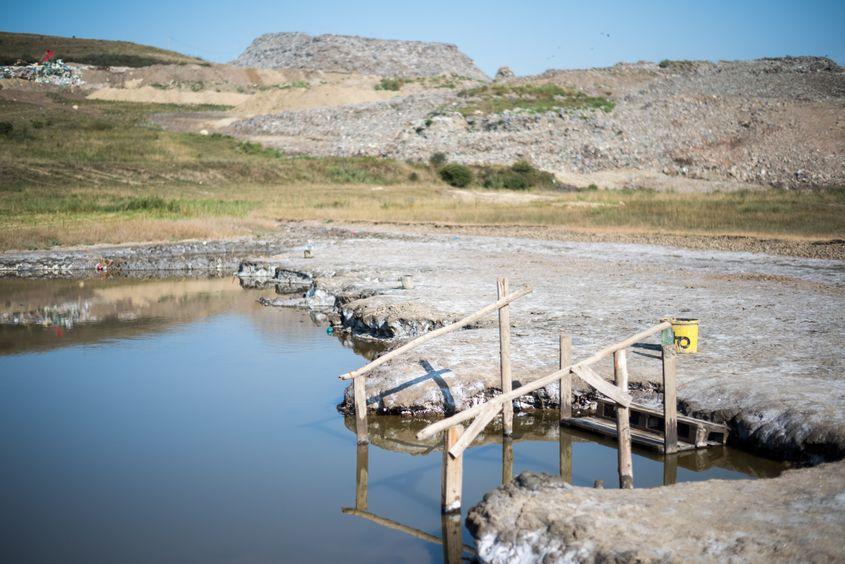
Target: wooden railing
{"x": 456, "y": 439}
{"x": 359, "y": 391}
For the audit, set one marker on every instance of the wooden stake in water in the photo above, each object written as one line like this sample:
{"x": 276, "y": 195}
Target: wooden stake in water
{"x": 505, "y": 355}
{"x": 623, "y": 423}
{"x": 507, "y": 459}
{"x": 360, "y": 394}
{"x": 362, "y": 464}
{"x": 670, "y": 400}
{"x": 452, "y": 472}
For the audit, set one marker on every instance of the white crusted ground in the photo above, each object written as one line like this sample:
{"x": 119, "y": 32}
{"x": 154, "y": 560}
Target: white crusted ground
{"x": 771, "y": 326}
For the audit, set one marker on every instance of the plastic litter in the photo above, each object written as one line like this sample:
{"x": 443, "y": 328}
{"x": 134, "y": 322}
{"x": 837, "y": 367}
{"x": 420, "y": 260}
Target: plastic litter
{"x": 55, "y": 72}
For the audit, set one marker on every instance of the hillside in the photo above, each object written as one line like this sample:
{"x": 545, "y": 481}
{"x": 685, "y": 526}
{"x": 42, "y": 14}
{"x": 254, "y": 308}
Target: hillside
{"x": 30, "y": 47}
{"x": 682, "y": 125}
{"x": 363, "y": 55}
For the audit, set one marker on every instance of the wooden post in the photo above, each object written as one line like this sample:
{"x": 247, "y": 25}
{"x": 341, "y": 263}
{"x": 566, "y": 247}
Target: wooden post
{"x": 566, "y": 378}
{"x": 507, "y": 459}
{"x": 453, "y": 542}
{"x": 452, "y": 472}
{"x": 565, "y": 456}
{"x": 670, "y": 400}
{"x": 505, "y": 355}
{"x": 362, "y": 464}
{"x": 670, "y": 470}
{"x": 623, "y": 423}
{"x": 360, "y": 393}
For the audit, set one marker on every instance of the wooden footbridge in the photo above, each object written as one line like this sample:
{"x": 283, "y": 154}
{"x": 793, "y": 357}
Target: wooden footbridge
{"x": 617, "y": 414}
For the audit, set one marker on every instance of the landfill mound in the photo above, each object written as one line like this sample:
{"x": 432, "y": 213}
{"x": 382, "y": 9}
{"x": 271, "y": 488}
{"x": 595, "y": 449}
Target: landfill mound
{"x": 50, "y": 72}
{"x": 694, "y": 126}
{"x": 364, "y": 55}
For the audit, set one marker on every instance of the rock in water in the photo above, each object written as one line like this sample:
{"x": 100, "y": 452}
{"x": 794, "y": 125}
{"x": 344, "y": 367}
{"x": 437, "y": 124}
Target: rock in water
{"x": 348, "y": 53}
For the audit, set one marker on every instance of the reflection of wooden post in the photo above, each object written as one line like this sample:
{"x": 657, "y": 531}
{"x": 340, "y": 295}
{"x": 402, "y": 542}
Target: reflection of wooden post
{"x": 362, "y": 464}
{"x": 452, "y": 472}
{"x": 623, "y": 423}
{"x": 565, "y": 456}
{"x": 566, "y": 379}
{"x": 670, "y": 400}
{"x": 453, "y": 542}
{"x": 507, "y": 459}
{"x": 505, "y": 355}
{"x": 670, "y": 469}
{"x": 360, "y": 393}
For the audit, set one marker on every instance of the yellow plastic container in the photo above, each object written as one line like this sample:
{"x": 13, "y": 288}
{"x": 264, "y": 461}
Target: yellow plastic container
{"x": 686, "y": 335}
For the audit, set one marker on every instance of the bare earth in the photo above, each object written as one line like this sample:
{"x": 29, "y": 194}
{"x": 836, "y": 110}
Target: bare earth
{"x": 798, "y": 517}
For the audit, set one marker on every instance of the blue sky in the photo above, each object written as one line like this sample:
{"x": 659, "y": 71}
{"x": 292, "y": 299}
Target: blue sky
{"x": 529, "y": 36}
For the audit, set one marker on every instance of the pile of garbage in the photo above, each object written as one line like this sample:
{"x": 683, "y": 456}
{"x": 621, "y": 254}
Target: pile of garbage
{"x": 55, "y": 72}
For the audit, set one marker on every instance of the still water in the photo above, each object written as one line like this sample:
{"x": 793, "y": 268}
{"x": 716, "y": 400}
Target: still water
{"x": 180, "y": 421}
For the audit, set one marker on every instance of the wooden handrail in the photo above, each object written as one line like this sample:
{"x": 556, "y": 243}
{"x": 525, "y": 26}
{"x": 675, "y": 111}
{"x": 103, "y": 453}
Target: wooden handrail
{"x": 539, "y": 383}
{"x": 438, "y": 332}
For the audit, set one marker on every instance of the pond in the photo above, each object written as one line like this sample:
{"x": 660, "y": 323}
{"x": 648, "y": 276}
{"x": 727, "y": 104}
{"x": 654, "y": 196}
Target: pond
{"x": 177, "y": 420}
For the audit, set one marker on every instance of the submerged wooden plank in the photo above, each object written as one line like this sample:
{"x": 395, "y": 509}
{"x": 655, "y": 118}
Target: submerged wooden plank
{"x": 639, "y": 437}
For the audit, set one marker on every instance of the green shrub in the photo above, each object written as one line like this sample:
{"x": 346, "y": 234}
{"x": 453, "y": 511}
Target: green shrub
{"x": 437, "y": 160}
{"x": 504, "y": 179}
{"x": 521, "y": 175}
{"x": 6, "y": 127}
{"x": 414, "y": 177}
{"x": 456, "y": 175}
{"x": 393, "y": 84}
{"x": 522, "y": 167}
{"x": 664, "y": 63}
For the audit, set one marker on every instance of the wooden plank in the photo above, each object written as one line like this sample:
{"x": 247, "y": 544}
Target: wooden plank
{"x": 473, "y": 430}
{"x": 505, "y": 355}
{"x": 565, "y": 440}
{"x": 601, "y": 385}
{"x": 670, "y": 400}
{"x": 507, "y": 459}
{"x": 438, "y": 426}
{"x": 670, "y": 469}
{"x": 453, "y": 544}
{"x": 362, "y": 464}
{"x": 452, "y": 473}
{"x": 694, "y": 421}
{"x": 437, "y": 333}
{"x": 360, "y": 395}
{"x": 623, "y": 423}
{"x": 566, "y": 379}
{"x": 639, "y": 437}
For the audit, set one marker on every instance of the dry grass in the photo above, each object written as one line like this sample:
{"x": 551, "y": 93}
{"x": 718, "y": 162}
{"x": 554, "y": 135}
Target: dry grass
{"x": 103, "y": 175}
{"x": 29, "y": 47}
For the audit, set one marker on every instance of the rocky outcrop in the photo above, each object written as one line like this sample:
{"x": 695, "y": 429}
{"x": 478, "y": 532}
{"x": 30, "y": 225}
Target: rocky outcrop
{"x": 504, "y": 73}
{"x": 797, "y": 517}
{"x": 364, "y": 55}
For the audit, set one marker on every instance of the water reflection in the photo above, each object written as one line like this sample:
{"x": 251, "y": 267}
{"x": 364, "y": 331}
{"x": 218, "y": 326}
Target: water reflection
{"x": 176, "y": 431}
{"x": 399, "y": 434}
{"x": 451, "y": 531}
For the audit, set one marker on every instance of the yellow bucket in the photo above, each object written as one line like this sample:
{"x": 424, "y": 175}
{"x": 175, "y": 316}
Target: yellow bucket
{"x": 686, "y": 335}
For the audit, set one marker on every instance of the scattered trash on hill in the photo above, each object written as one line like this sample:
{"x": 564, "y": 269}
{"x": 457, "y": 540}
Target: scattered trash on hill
{"x": 50, "y": 72}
